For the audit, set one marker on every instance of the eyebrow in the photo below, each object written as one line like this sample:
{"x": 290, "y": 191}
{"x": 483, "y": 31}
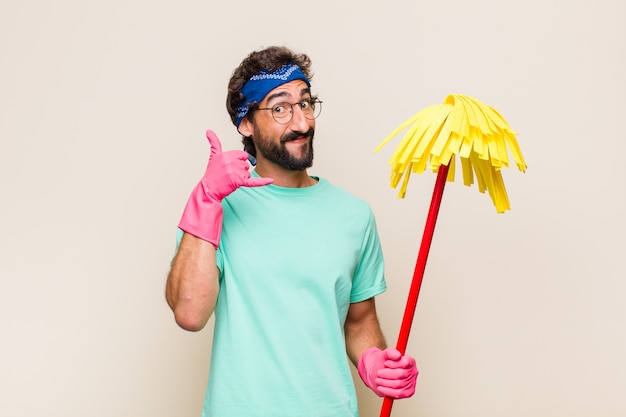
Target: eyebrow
{"x": 304, "y": 91}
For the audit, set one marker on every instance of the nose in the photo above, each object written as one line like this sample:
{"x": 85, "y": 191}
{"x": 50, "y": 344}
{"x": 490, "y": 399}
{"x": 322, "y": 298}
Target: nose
{"x": 298, "y": 121}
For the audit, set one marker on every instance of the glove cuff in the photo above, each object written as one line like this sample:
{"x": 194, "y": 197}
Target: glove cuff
{"x": 369, "y": 363}
{"x": 202, "y": 217}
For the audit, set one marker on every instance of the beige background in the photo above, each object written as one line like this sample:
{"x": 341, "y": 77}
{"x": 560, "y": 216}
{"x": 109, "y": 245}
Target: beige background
{"x": 103, "y": 107}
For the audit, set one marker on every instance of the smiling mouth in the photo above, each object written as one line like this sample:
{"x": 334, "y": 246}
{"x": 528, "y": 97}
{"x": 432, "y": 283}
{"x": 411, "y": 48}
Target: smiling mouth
{"x": 298, "y": 137}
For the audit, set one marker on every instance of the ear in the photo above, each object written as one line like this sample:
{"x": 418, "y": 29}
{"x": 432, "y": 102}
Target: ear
{"x": 245, "y": 127}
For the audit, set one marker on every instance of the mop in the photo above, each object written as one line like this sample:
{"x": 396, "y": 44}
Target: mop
{"x": 462, "y": 126}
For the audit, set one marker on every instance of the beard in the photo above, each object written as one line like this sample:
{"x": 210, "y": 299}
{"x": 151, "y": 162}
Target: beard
{"x": 279, "y": 154}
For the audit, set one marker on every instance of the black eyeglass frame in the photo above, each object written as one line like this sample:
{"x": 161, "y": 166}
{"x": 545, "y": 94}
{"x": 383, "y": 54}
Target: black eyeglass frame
{"x": 312, "y": 101}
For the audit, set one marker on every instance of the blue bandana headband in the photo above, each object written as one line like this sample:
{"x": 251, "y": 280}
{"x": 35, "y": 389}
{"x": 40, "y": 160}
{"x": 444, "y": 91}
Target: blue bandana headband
{"x": 257, "y": 87}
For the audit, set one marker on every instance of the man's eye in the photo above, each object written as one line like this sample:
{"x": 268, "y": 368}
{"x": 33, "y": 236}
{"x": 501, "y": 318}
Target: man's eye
{"x": 305, "y": 104}
{"x": 279, "y": 109}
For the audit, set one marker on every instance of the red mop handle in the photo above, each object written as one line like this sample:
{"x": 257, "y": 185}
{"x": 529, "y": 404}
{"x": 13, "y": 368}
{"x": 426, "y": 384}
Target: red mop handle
{"x": 418, "y": 273}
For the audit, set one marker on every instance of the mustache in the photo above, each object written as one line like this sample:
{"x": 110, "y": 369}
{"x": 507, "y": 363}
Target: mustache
{"x": 295, "y": 135}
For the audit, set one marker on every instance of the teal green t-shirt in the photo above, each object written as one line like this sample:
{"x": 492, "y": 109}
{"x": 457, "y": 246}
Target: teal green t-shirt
{"x": 291, "y": 262}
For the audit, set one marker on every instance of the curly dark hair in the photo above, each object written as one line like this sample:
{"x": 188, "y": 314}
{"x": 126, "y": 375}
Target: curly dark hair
{"x": 269, "y": 59}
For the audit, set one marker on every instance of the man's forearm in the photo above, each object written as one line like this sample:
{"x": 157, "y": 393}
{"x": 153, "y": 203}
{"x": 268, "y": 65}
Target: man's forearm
{"x": 362, "y": 330}
{"x": 192, "y": 283}
{"x": 384, "y": 370}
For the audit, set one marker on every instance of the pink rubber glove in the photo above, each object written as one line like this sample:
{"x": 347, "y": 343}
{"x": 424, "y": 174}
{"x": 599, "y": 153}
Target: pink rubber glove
{"x": 388, "y": 373}
{"x": 225, "y": 172}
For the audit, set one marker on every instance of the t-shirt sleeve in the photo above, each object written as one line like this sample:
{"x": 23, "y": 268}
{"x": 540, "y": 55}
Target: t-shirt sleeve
{"x": 369, "y": 275}
{"x": 179, "y": 237}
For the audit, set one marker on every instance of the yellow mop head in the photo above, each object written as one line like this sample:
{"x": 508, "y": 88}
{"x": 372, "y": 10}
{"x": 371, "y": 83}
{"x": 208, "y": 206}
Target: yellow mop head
{"x": 462, "y": 126}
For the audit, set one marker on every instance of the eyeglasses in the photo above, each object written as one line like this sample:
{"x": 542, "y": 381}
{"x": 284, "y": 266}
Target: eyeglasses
{"x": 283, "y": 112}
